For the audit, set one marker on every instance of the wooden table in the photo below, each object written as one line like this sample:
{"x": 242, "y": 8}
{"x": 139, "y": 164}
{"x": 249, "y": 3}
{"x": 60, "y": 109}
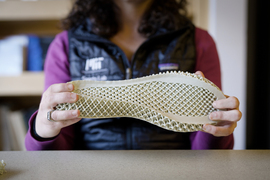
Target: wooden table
{"x": 142, "y": 164}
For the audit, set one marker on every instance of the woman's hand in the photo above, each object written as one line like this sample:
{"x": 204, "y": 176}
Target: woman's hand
{"x": 227, "y": 120}
{"x": 56, "y": 94}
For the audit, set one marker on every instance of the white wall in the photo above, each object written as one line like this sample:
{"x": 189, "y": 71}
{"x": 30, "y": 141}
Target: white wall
{"x": 228, "y": 26}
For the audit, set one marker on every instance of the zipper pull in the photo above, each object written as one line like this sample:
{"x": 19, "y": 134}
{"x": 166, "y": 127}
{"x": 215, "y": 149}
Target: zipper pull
{"x": 128, "y": 73}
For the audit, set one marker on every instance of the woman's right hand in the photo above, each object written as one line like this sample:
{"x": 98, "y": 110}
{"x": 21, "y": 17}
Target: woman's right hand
{"x": 56, "y": 94}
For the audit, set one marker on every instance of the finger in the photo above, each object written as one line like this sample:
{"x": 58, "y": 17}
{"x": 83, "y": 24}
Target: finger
{"x": 232, "y": 115}
{"x": 62, "y": 87}
{"x": 69, "y": 122}
{"x": 65, "y": 115}
{"x": 218, "y": 131}
{"x": 62, "y": 124}
{"x": 228, "y": 103}
{"x": 57, "y": 98}
{"x": 199, "y": 73}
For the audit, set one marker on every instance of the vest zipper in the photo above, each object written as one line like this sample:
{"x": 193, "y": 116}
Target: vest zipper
{"x": 129, "y": 137}
{"x": 128, "y": 66}
{"x": 128, "y": 73}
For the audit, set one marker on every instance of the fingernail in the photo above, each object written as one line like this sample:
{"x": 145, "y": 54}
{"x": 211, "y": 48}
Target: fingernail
{"x": 213, "y": 116}
{"x": 74, "y": 113}
{"x": 206, "y": 128}
{"x": 73, "y": 96}
{"x": 70, "y": 87}
{"x": 214, "y": 104}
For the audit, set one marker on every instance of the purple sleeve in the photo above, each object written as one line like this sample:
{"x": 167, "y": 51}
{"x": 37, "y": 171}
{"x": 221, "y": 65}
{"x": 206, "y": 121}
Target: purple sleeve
{"x": 208, "y": 62}
{"x": 56, "y": 70}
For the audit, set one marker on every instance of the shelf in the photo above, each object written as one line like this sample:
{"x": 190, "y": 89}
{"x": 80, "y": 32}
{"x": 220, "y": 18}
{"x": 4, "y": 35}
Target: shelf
{"x": 41, "y": 17}
{"x": 34, "y": 10}
{"x": 26, "y": 84}
{"x": 198, "y": 10}
{"x": 42, "y": 27}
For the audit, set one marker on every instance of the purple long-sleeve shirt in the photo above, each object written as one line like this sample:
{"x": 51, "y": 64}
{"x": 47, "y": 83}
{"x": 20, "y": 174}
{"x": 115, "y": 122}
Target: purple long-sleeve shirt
{"x": 57, "y": 71}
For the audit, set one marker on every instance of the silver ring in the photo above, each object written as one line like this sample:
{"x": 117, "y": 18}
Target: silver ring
{"x": 49, "y": 116}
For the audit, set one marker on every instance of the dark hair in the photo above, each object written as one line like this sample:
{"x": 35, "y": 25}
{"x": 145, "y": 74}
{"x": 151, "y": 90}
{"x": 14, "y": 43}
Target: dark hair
{"x": 168, "y": 14}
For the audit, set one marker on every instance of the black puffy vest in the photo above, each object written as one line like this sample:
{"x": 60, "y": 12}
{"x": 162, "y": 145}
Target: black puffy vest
{"x": 96, "y": 58}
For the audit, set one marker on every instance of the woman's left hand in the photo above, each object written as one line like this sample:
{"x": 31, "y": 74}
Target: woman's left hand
{"x": 226, "y": 120}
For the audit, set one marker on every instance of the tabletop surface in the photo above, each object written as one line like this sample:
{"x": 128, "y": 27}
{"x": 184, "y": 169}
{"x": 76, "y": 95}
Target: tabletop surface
{"x": 140, "y": 164}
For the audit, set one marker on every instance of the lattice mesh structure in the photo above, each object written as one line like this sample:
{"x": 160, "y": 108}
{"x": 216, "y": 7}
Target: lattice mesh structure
{"x": 151, "y": 98}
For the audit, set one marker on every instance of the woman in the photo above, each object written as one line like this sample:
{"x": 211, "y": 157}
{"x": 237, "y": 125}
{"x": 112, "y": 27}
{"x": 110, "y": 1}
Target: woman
{"x": 122, "y": 39}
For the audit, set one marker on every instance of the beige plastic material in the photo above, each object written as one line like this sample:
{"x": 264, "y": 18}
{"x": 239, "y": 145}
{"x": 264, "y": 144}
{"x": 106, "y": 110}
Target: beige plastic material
{"x": 176, "y": 101}
{"x": 2, "y": 167}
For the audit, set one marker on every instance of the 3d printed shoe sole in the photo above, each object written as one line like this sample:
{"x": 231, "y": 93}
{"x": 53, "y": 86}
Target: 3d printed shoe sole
{"x": 175, "y": 101}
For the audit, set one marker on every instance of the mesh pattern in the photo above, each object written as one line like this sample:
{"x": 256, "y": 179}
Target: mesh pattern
{"x": 147, "y": 101}
{"x": 101, "y": 108}
{"x": 194, "y": 76}
{"x": 175, "y": 98}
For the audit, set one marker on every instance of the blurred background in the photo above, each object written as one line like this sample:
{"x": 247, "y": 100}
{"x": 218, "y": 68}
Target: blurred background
{"x": 240, "y": 29}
